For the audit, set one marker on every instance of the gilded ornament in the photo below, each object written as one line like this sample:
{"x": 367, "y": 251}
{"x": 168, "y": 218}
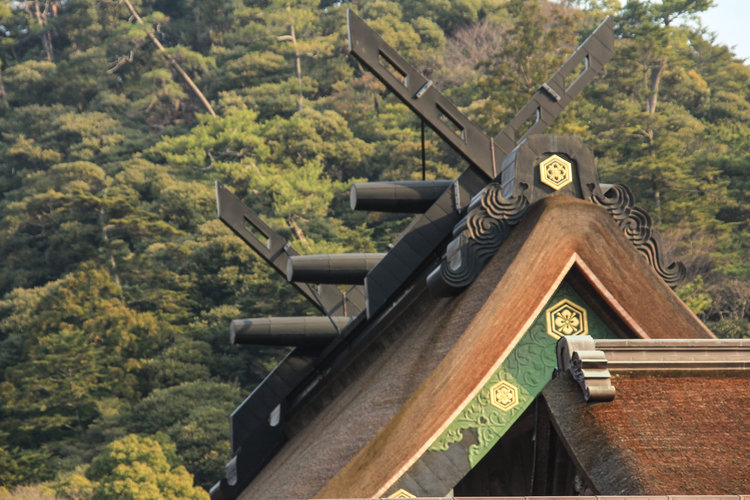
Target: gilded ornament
{"x": 402, "y": 493}
{"x": 556, "y": 172}
{"x": 503, "y": 395}
{"x": 566, "y": 318}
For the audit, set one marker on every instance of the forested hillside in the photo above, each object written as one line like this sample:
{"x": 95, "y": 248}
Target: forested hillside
{"x": 117, "y": 282}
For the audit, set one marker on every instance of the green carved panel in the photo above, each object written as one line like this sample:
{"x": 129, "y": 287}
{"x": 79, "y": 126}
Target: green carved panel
{"x": 522, "y": 375}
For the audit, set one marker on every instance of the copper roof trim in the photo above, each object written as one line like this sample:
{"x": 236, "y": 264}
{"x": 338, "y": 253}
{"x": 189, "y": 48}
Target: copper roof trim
{"x": 590, "y": 361}
{"x": 587, "y": 365}
{"x": 671, "y": 354}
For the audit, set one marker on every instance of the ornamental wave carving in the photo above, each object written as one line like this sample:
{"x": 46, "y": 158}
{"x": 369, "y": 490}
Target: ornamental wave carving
{"x": 527, "y": 368}
{"x": 487, "y": 421}
{"x": 637, "y": 225}
{"x": 480, "y": 235}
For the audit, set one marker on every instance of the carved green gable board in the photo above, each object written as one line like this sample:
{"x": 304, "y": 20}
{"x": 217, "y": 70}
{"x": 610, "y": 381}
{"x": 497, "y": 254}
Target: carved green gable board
{"x": 505, "y": 396}
{"x": 528, "y": 368}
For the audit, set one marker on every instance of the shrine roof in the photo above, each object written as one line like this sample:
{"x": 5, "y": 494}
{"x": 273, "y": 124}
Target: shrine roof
{"x": 381, "y": 376}
{"x": 667, "y": 431}
{"x": 671, "y": 415}
{"x": 370, "y": 418}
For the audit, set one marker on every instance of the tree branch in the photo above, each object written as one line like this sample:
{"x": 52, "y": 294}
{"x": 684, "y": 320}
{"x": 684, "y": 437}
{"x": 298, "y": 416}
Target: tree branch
{"x": 3, "y": 95}
{"x": 173, "y": 62}
{"x": 45, "y": 36}
{"x": 297, "y": 231}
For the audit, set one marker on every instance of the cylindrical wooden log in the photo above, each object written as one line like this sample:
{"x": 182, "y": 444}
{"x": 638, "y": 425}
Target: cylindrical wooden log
{"x": 397, "y": 196}
{"x": 287, "y": 331}
{"x": 338, "y": 269}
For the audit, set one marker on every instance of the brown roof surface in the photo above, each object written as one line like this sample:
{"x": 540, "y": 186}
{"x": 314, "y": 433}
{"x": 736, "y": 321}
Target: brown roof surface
{"x": 347, "y": 415}
{"x": 556, "y": 233}
{"x": 666, "y": 432}
{"x": 387, "y": 407}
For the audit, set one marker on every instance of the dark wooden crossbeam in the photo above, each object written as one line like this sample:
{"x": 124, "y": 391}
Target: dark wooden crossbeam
{"x": 417, "y": 92}
{"x": 276, "y": 250}
{"x": 430, "y": 230}
{"x": 552, "y": 96}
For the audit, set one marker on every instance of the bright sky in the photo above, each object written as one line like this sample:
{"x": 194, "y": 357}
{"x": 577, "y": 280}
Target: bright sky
{"x": 730, "y": 20}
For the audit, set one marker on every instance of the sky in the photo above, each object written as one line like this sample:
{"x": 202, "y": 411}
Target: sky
{"x": 730, "y": 20}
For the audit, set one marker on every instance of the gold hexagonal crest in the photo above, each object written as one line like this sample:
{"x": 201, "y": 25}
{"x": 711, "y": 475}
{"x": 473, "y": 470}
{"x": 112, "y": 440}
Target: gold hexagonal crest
{"x": 503, "y": 395}
{"x": 556, "y": 172}
{"x": 402, "y": 493}
{"x": 566, "y": 318}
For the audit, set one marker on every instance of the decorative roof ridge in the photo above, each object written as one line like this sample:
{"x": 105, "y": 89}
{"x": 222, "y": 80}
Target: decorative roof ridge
{"x": 673, "y": 354}
{"x": 636, "y": 223}
{"x": 477, "y": 237}
{"x": 590, "y": 361}
{"x": 501, "y": 204}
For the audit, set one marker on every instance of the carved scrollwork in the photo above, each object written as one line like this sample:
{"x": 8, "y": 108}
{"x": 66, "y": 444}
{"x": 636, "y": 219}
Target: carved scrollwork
{"x": 496, "y": 206}
{"x": 589, "y": 369}
{"x": 637, "y": 225}
{"x": 477, "y": 239}
{"x": 587, "y": 365}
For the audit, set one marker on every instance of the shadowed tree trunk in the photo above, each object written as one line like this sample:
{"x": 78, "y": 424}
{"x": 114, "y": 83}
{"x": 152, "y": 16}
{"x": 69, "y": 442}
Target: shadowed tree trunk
{"x": 41, "y": 17}
{"x": 3, "y": 95}
{"x": 174, "y": 63}
{"x": 297, "y": 57}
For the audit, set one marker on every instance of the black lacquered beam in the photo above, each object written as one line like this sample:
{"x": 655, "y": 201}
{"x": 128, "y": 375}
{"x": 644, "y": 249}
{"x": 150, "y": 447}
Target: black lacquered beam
{"x": 557, "y": 92}
{"x": 287, "y": 331}
{"x": 276, "y": 250}
{"x": 428, "y": 231}
{"x": 340, "y": 269}
{"x": 413, "y": 197}
{"x": 420, "y": 95}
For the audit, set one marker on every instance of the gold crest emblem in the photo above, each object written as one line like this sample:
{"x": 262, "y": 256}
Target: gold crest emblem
{"x": 566, "y": 318}
{"x": 503, "y": 395}
{"x": 556, "y": 172}
{"x": 401, "y": 493}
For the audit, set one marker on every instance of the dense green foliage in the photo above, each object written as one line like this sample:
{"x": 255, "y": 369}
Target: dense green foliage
{"x": 117, "y": 282}
{"x": 134, "y": 468}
